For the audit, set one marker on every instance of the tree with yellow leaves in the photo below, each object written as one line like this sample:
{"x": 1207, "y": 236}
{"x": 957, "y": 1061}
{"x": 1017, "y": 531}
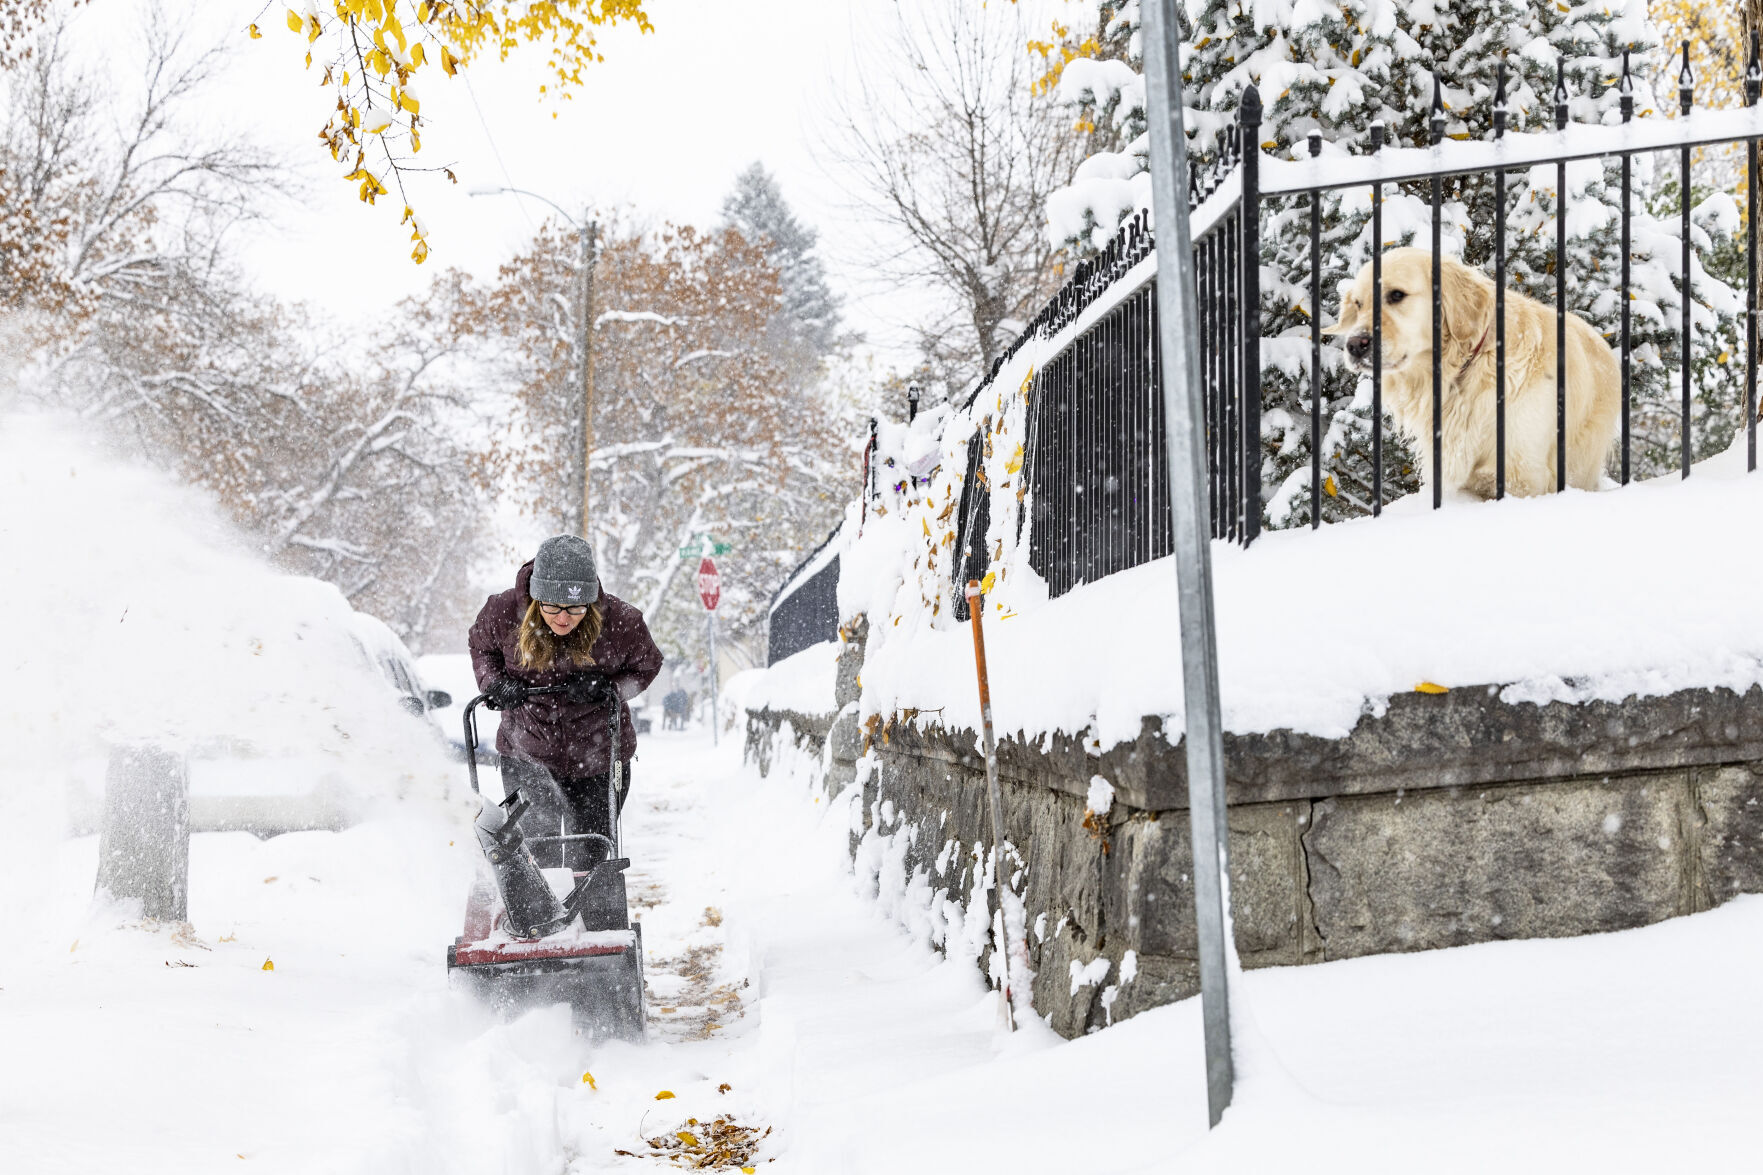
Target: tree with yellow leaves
{"x": 374, "y": 51}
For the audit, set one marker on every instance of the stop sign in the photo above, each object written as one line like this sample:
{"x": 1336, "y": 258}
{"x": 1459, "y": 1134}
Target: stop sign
{"x": 709, "y": 583}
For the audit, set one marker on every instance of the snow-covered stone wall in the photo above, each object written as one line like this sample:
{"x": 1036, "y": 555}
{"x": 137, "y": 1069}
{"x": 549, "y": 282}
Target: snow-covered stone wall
{"x": 1448, "y": 818}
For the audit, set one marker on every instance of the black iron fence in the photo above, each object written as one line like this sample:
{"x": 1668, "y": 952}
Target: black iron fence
{"x": 1096, "y": 466}
{"x": 805, "y": 609}
{"x": 1097, "y": 471}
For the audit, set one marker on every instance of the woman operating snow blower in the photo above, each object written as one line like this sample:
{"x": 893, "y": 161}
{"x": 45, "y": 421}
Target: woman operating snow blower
{"x": 556, "y": 628}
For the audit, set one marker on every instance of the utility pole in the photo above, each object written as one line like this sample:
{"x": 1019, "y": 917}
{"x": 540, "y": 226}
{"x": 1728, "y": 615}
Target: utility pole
{"x": 584, "y": 349}
{"x": 575, "y": 513}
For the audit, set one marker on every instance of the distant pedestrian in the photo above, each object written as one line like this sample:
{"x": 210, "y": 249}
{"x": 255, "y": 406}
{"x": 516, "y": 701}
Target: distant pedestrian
{"x": 676, "y": 707}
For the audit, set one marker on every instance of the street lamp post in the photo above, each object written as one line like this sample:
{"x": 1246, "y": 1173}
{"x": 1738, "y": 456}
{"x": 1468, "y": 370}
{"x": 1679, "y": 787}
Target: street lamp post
{"x": 575, "y": 517}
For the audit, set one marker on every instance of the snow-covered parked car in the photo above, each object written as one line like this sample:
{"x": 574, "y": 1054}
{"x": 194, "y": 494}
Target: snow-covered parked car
{"x": 382, "y": 650}
{"x": 341, "y": 722}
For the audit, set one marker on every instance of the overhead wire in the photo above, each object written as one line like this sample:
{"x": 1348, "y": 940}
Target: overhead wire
{"x": 497, "y": 152}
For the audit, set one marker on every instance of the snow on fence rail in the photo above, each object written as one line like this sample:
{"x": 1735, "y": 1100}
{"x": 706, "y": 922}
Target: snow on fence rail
{"x": 1093, "y": 476}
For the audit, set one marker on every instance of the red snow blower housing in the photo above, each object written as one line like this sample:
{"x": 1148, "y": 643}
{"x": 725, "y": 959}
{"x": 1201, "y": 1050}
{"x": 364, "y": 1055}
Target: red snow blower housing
{"x": 535, "y": 937}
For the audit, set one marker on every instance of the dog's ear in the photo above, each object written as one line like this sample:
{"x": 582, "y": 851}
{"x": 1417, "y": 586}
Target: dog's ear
{"x": 1468, "y": 301}
{"x": 1347, "y": 315}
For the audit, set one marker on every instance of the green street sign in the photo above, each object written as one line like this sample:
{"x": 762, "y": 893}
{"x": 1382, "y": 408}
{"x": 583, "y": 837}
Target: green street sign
{"x": 705, "y": 546}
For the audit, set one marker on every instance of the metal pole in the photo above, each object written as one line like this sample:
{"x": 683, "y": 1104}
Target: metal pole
{"x": 976, "y": 606}
{"x": 713, "y": 720}
{"x": 1180, "y": 374}
{"x": 584, "y": 343}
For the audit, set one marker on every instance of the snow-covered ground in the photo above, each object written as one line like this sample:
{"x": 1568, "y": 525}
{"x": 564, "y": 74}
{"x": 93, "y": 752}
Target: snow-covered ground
{"x": 142, "y": 1050}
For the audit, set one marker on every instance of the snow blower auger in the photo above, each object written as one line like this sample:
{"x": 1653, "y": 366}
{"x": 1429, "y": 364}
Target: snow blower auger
{"x": 535, "y": 937}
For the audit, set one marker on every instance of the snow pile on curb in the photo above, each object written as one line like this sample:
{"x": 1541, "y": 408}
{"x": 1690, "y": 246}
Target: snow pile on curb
{"x": 802, "y": 682}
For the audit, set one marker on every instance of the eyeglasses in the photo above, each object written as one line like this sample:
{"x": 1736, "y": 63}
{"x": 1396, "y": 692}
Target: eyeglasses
{"x": 559, "y": 609}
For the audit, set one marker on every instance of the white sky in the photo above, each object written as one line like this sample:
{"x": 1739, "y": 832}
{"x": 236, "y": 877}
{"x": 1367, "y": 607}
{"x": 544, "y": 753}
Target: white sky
{"x": 663, "y": 125}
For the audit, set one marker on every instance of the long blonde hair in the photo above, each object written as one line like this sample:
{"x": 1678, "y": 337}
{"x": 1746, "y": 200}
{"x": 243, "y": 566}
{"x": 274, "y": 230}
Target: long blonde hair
{"x": 539, "y": 646}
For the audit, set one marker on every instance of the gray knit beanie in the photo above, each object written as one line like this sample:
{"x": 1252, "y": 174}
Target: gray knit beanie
{"x": 564, "y": 572}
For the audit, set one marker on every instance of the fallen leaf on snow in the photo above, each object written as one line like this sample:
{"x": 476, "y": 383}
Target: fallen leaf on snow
{"x": 588, "y": 1078}
{"x": 665, "y": 1094}
{"x": 269, "y": 964}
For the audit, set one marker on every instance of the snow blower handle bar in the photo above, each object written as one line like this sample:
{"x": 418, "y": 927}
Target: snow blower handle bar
{"x": 617, "y": 771}
{"x": 471, "y": 724}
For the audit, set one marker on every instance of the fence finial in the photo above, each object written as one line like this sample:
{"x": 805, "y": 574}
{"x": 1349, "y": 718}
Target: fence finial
{"x": 1500, "y": 101}
{"x": 1561, "y": 92}
{"x": 1626, "y": 89}
{"x": 1686, "y": 82}
{"x": 1376, "y": 135}
{"x": 1753, "y": 74}
{"x": 1249, "y": 115}
{"x": 1438, "y": 111}
{"x": 1315, "y": 138}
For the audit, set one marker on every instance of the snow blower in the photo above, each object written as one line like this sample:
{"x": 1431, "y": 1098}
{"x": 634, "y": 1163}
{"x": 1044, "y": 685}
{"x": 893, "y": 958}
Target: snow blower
{"x": 535, "y": 937}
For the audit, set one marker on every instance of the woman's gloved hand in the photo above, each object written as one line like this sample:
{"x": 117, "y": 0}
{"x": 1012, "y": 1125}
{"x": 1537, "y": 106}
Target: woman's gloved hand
{"x": 505, "y": 693}
{"x": 588, "y": 687}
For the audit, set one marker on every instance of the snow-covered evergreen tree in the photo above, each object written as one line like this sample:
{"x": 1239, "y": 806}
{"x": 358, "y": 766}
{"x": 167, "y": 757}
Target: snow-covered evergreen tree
{"x": 1337, "y": 68}
{"x": 808, "y": 324}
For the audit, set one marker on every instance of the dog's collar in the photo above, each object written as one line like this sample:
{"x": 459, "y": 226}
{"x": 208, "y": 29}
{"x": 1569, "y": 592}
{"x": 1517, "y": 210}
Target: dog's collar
{"x": 1473, "y": 355}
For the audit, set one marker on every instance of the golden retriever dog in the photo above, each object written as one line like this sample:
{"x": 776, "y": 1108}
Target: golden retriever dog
{"x": 1466, "y": 335}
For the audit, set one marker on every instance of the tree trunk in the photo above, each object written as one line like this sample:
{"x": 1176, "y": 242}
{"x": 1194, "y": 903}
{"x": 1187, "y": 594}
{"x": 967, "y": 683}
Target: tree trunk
{"x": 144, "y": 846}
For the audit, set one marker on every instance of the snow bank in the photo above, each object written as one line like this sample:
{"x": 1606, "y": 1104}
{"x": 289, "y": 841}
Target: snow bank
{"x": 1576, "y": 597}
{"x": 802, "y": 682}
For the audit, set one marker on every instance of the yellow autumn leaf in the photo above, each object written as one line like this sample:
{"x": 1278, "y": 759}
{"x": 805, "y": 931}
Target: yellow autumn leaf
{"x": 296, "y": 22}
{"x": 687, "y": 1137}
{"x": 449, "y": 63}
{"x": 269, "y": 964}
{"x": 1329, "y": 487}
{"x": 1427, "y": 687}
{"x": 418, "y": 56}
{"x": 588, "y": 1080}
{"x": 255, "y": 35}
{"x": 1014, "y": 465}
{"x": 314, "y": 30}
{"x": 926, "y": 524}
{"x": 664, "y": 1095}
{"x": 985, "y": 585}
{"x": 748, "y": 1170}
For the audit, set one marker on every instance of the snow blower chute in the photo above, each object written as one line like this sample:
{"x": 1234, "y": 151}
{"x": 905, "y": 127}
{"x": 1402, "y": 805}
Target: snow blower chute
{"x": 537, "y": 936}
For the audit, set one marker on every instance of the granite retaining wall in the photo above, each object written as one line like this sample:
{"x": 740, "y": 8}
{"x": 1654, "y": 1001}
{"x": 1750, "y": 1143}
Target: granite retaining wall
{"x": 1448, "y": 819}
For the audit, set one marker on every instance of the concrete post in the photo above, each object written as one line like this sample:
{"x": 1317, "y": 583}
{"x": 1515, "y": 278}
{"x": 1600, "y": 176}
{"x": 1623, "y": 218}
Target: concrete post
{"x": 144, "y": 845}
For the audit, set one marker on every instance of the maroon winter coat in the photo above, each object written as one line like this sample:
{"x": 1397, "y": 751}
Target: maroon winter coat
{"x": 568, "y": 740}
